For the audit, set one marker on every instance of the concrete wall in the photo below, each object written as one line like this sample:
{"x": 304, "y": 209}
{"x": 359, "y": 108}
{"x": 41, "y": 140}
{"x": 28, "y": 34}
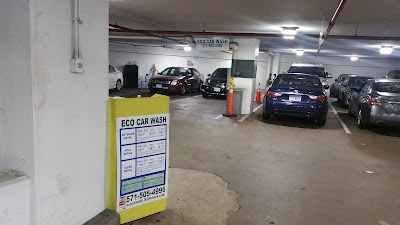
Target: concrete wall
{"x": 339, "y": 65}
{"x": 205, "y": 62}
{"x": 145, "y": 57}
{"x": 55, "y": 120}
{"x": 15, "y": 201}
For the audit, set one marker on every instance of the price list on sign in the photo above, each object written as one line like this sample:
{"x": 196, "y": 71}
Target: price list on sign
{"x": 142, "y": 158}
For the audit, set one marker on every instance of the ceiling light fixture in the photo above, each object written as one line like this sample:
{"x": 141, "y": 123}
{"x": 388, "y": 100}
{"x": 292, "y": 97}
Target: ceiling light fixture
{"x": 354, "y": 58}
{"x": 386, "y": 50}
{"x": 288, "y": 37}
{"x": 300, "y": 52}
{"x": 289, "y": 31}
{"x": 187, "y": 48}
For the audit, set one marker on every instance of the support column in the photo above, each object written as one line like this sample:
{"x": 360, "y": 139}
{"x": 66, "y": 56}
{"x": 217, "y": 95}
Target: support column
{"x": 244, "y": 68}
{"x": 55, "y": 120}
{"x": 276, "y": 64}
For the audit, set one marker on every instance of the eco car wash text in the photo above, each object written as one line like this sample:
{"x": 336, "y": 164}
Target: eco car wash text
{"x": 142, "y": 158}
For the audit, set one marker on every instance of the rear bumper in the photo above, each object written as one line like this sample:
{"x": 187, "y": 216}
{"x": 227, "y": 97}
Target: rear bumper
{"x": 210, "y": 90}
{"x": 315, "y": 110}
{"x": 379, "y": 116}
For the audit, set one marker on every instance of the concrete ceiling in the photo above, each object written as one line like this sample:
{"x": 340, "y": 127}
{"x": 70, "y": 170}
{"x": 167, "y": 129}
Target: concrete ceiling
{"x": 364, "y": 17}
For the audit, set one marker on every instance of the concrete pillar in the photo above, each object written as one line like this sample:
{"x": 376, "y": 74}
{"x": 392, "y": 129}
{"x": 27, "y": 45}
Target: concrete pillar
{"x": 55, "y": 120}
{"x": 269, "y": 69}
{"x": 276, "y": 63}
{"x": 244, "y": 65}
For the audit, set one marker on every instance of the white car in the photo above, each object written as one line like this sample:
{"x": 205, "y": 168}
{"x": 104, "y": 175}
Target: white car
{"x": 312, "y": 69}
{"x": 115, "y": 78}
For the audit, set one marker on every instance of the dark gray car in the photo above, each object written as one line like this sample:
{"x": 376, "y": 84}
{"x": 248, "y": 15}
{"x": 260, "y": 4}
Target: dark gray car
{"x": 334, "y": 90}
{"x": 350, "y": 84}
{"x": 376, "y": 102}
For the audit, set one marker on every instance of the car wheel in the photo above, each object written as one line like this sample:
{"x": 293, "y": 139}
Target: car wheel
{"x": 183, "y": 90}
{"x": 266, "y": 116}
{"x": 349, "y": 110}
{"x": 321, "y": 122}
{"x": 360, "y": 123}
{"x": 205, "y": 95}
{"x": 118, "y": 86}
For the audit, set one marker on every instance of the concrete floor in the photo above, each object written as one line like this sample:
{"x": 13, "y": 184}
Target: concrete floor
{"x": 289, "y": 171}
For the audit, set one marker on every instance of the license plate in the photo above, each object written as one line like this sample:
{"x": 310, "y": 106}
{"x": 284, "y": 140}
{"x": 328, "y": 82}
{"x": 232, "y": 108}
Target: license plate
{"x": 294, "y": 98}
{"x": 217, "y": 89}
{"x": 158, "y": 85}
{"x": 396, "y": 107}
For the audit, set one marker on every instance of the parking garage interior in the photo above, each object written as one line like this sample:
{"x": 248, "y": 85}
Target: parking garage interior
{"x": 255, "y": 165}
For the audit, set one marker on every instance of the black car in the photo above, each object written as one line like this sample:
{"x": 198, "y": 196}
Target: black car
{"x": 215, "y": 84}
{"x": 394, "y": 74}
{"x": 176, "y": 80}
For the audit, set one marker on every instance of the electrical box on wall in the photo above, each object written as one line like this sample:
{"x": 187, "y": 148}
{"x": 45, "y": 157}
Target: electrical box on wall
{"x": 78, "y": 65}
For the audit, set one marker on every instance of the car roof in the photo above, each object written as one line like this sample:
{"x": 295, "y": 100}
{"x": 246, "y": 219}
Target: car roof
{"x": 302, "y": 74}
{"x": 308, "y": 65}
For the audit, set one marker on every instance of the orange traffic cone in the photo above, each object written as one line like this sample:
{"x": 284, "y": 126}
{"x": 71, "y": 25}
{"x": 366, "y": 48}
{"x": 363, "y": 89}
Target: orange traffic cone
{"x": 258, "y": 95}
{"x": 229, "y": 108}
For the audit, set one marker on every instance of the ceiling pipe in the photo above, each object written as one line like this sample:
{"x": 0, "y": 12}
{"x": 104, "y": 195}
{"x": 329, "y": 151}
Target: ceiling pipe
{"x": 332, "y": 23}
{"x": 260, "y": 35}
{"x": 144, "y": 32}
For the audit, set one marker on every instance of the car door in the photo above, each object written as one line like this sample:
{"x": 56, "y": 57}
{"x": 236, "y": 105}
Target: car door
{"x": 362, "y": 100}
{"x": 112, "y": 81}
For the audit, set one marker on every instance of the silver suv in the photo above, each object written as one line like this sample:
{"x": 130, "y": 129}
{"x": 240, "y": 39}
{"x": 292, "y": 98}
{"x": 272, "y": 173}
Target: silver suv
{"x": 312, "y": 69}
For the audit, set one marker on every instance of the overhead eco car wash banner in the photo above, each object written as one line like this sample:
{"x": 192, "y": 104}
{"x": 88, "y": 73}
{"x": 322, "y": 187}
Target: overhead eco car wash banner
{"x": 141, "y": 158}
{"x": 138, "y": 142}
{"x": 214, "y": 44}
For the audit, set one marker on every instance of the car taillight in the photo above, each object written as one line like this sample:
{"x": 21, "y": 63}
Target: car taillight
{"x": 374, "y": 101}
{"x": 321, "y": 98}
{"x": 271, "y": 94}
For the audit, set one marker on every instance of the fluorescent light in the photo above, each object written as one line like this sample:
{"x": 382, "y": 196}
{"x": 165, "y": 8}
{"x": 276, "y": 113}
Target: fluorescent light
{"x": 354, "y": 58}
{"x": 289, "y": 31}
{"x": 299, "y": 52}
{"x": 187, "y": 48}
{"x": 386, "y": 50}
{"x": 288, "y": 37}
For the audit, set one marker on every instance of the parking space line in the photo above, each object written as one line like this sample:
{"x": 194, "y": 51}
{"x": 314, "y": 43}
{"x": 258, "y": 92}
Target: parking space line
{"x": 346, "y": 129}
{"x": 244, "y": 118}
{"x": 218, "y": 117}
{"x": 383, "y": 222}
{"x": 257, "y": 108}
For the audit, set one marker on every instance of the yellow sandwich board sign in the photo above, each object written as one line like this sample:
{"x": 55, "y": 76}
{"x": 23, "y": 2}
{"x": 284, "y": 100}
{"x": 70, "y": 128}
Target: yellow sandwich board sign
{"x": 138, "y": 136}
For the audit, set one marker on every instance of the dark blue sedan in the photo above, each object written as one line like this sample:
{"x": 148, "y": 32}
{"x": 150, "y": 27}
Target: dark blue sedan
{"x": 297, "y": 95}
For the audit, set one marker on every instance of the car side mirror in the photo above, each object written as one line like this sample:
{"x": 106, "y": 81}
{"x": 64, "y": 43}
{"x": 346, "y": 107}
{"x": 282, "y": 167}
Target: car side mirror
{"x": 269, "y": 82}
{"x": 336, "y": 80}
{"x": 326, "y": 86}
{"x": 209, "y": 75}
{"x": 159, "y": 73}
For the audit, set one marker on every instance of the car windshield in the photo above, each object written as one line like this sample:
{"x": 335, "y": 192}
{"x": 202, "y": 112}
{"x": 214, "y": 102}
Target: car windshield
{"x": 220, "y": 73}
{"x": 308, "y": 70}
{"x": 298, "y": 81}
{"x": 389, "y": 87}
{"x": 174, "y": 71}
{"x": 357, "y": 81}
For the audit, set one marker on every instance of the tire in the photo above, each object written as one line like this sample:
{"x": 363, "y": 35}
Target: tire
{"x": 360, "y": 123}
{"x": 183, "y": 90}
{"x": 266, "y": 116}
{"x": 321, "y": 122}
{"x": 205, "y": 95}
{"x": 349, "y": 112}
{"x": 118, "y": 86}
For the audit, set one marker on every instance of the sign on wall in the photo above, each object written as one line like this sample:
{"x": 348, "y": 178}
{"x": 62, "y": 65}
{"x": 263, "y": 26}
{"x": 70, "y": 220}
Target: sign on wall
{"x": 142, "y": 160}
{"x": 214, "y": 44}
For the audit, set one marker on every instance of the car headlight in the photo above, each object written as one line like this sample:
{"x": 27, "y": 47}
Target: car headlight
{"x": 174, "y": 82}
